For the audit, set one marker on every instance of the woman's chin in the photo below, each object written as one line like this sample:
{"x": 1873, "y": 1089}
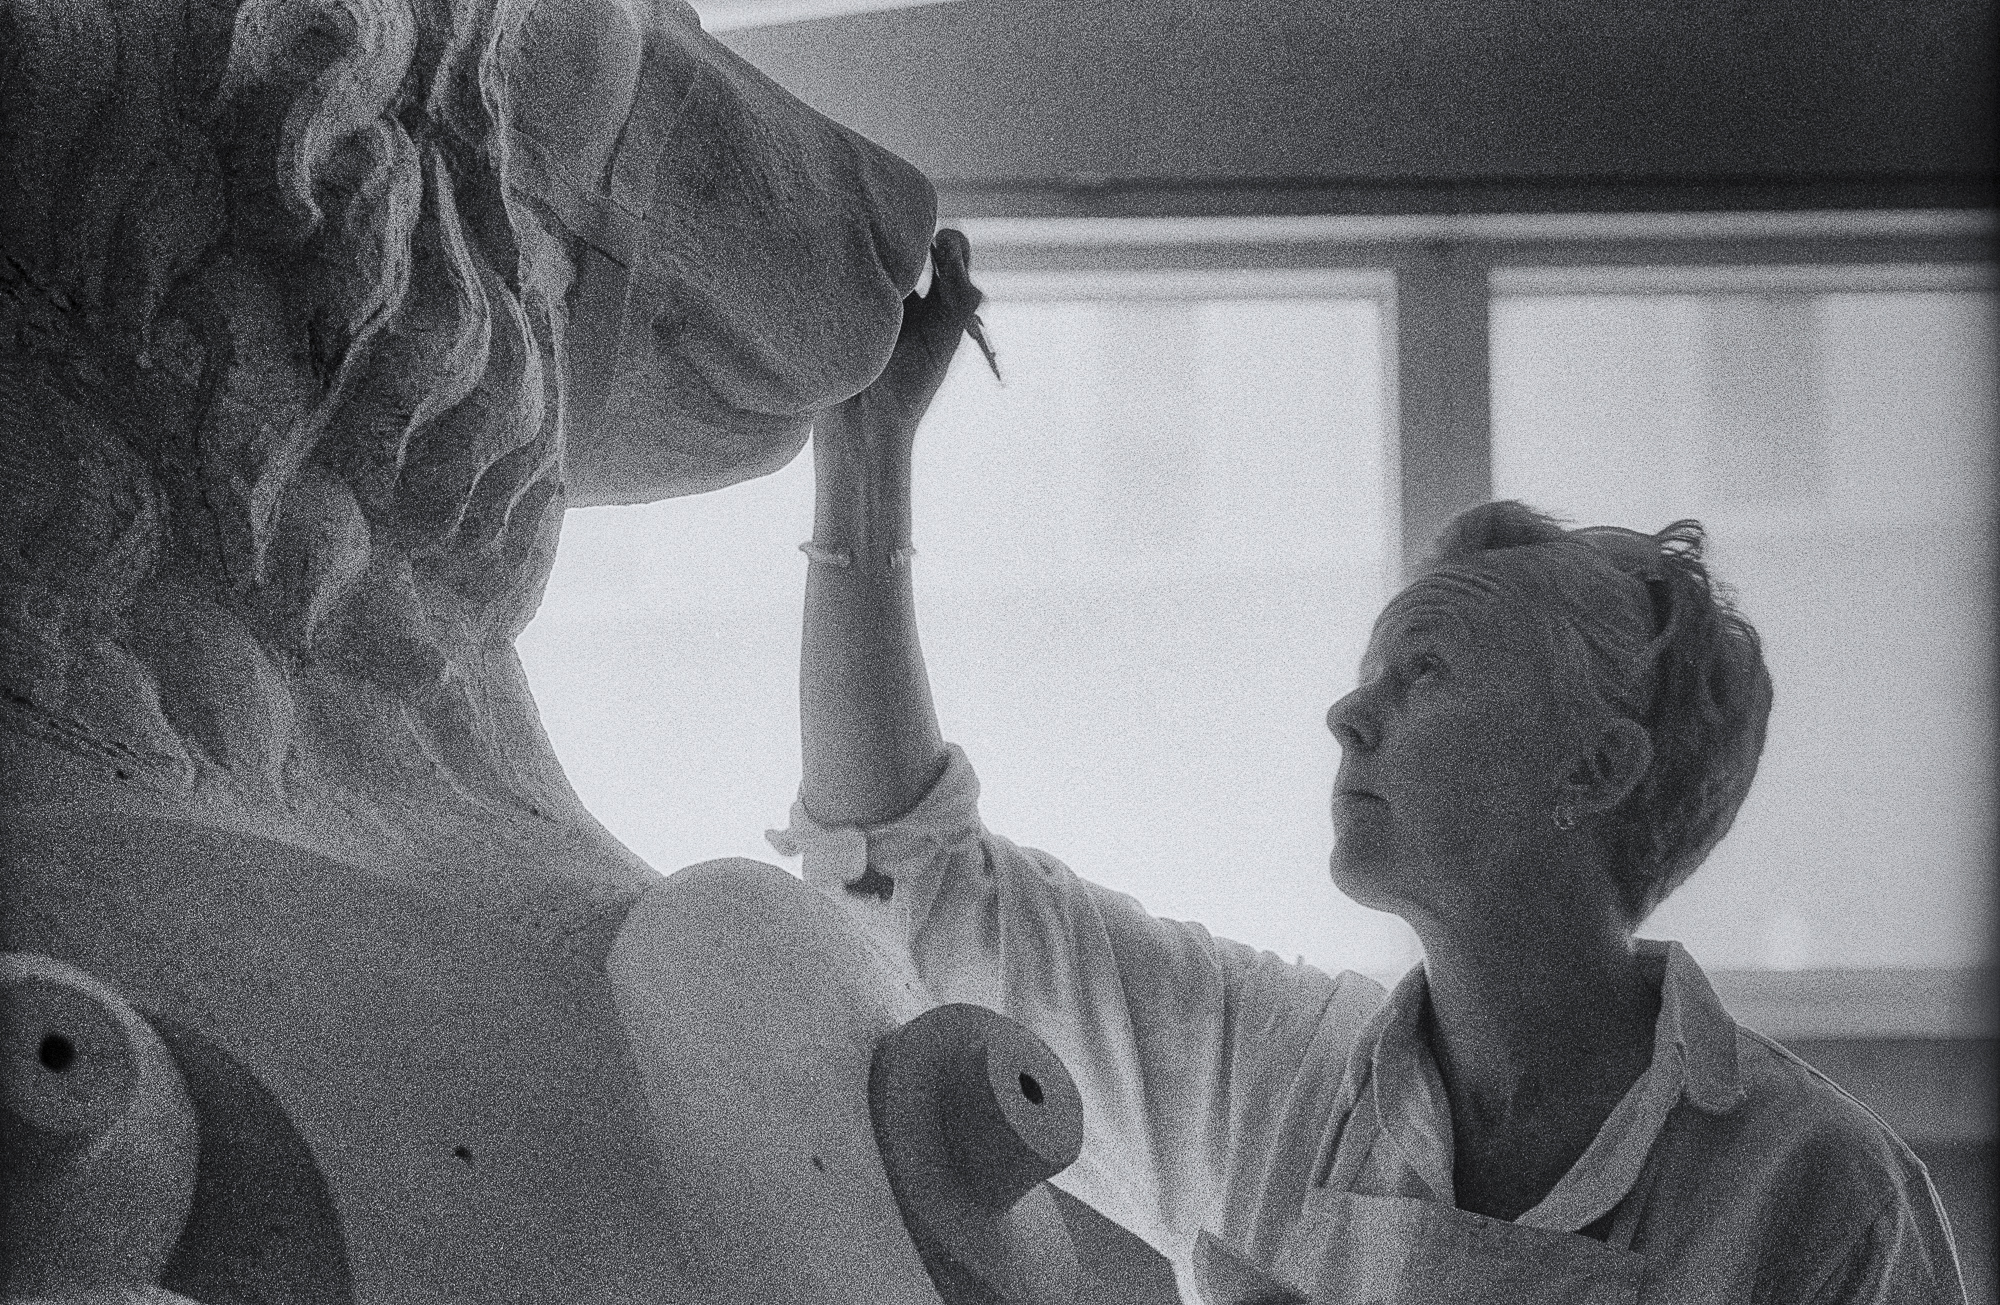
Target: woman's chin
{"x": 1362, "y": 877}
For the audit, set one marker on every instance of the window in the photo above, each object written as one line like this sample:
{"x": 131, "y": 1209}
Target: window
{"x": 1147, "y": 564}
{"x": 1149, "y": 561}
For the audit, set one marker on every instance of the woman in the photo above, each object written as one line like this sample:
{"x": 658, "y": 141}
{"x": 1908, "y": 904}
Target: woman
{"x": 1553, "y": 729}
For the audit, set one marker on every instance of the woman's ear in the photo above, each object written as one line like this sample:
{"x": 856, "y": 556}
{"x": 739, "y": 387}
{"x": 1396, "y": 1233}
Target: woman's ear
{"x": 1609, "y": 772}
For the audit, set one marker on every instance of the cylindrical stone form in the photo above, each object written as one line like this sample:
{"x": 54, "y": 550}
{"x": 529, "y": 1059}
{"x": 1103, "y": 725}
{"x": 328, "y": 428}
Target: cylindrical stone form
{"x": 98, "y": 1134}
{"x": 972, "y": 1113}
{"x": 1012, "y": 1117}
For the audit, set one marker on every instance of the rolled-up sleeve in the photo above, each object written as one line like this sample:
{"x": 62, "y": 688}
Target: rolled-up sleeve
{"x": 1207, "y": 1068}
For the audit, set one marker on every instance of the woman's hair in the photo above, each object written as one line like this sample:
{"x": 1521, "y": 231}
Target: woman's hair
{"x": 1634, "y": 626}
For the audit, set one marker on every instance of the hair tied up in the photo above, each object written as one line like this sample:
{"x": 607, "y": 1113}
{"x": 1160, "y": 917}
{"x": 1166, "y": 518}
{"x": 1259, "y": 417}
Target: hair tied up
{"x": 1698, "y": 685}
{"x": 1634, "y": 552}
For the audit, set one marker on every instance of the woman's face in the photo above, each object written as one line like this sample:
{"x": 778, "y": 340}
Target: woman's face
{"x": 1451, "y": 753}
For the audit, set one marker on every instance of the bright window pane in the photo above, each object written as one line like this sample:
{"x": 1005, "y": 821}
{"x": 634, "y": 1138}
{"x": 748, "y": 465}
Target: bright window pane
{"x": 665, "y": 663}
{"x": 1839, "y": 449}
{"x": 1148, "y": 563}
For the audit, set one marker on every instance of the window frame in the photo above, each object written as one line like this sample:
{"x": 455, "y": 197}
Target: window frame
{"x": 1437, "y": 274}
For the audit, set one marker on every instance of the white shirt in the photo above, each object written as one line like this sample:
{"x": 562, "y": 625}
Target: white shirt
{"x": 1221, "y": 1084}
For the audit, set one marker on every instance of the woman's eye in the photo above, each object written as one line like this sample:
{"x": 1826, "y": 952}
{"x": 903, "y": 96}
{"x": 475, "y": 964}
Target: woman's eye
{"x": 1424, "y": 666}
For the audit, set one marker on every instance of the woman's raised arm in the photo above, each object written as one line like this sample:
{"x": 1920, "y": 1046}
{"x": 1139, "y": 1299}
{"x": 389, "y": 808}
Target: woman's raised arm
{"x": 871, "y": 741}
{"x": 1206, "y": 1067}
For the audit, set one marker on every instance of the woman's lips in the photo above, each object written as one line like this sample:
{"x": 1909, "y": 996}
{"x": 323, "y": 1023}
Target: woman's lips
{"x": 1349, "y": 799}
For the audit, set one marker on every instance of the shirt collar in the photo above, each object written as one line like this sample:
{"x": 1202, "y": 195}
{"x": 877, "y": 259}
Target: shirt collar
{"x": 1693, "y": 1022}
{"x": 1694, "y": 1059}
{"x": 1393, "y": 1072}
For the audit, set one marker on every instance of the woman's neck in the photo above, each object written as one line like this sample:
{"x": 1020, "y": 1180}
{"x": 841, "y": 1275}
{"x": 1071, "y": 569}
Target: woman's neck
{"x": 1538, "y": 1029}
{"x": 1531, "y": 969}
{"x": 1533, "y": 1008}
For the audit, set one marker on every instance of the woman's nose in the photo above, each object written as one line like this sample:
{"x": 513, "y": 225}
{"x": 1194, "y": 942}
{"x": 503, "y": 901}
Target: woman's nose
{"x": 1351, "y": 722}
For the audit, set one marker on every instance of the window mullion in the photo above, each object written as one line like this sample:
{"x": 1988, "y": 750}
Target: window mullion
{"x": 1442, "y": 388}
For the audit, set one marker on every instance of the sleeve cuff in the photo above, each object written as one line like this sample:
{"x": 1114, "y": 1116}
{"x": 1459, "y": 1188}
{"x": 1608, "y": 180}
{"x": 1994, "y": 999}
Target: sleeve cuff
{"x": 842, "y": 856}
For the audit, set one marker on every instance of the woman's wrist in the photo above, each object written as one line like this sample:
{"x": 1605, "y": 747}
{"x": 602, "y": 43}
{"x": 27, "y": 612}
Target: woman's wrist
{"x": 855, "y": 440}
{"x": 861, "y": 515}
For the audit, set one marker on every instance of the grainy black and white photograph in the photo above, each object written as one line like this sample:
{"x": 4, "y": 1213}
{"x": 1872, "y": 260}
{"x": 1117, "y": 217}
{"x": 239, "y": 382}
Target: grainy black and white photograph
{"x": 997, "y": 652}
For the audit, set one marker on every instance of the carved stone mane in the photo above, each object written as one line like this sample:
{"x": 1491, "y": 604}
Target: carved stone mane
{"x": 288, "y": 412}
{"x": 295, "y": 334}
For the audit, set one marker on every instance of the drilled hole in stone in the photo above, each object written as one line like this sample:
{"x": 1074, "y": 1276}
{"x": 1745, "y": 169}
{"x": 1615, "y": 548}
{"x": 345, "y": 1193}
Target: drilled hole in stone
{"x": 1031, "y": 1089}
{"x": 57, "y": 1053}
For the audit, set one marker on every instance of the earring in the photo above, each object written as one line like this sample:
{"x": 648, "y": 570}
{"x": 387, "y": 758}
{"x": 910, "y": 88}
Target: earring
{"x": 1565, "y": 816}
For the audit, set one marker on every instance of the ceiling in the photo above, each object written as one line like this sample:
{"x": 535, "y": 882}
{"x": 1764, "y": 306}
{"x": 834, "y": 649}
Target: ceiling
{"x": 1106, "y": 107}
{"x": 737, "y": 15}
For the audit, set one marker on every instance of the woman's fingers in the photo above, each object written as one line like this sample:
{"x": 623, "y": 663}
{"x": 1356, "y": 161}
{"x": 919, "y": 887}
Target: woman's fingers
{"x": 933, "y": 323}
{"x": 953, "y": 248}
{"x": 951, "y": 308}
{"x": 951, "y": 255}
{"x": 943, "y": 314}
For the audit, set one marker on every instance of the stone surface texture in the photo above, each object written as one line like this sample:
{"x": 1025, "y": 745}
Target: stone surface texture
{"x": 315, "y": 316}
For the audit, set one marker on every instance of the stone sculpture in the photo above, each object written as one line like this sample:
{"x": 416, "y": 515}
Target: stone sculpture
{"x": 315, "y": 315}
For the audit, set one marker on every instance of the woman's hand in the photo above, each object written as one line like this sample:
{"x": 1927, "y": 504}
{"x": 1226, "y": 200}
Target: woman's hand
{"x": 880, "y": 423}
